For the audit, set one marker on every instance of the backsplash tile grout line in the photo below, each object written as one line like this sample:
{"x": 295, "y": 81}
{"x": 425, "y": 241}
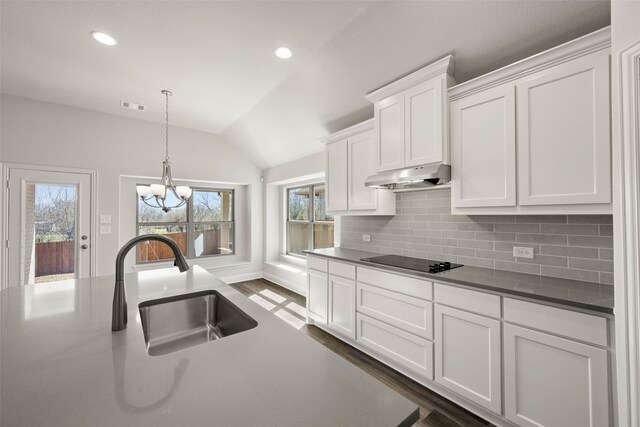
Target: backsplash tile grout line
{"x": 575, "y": 247}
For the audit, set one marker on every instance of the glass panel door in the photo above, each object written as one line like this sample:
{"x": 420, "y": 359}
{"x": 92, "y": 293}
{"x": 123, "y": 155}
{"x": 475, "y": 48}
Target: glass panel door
{"x": 50, "y": 232}
{"x": 49, "y": 226}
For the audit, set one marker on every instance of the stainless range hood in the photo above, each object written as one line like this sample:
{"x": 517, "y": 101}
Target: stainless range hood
{"x": 411, "y": 178}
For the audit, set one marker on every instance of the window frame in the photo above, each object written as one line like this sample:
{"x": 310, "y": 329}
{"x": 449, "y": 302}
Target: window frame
{"x": 190, "y": 225}
{"x": 310, "y": 214}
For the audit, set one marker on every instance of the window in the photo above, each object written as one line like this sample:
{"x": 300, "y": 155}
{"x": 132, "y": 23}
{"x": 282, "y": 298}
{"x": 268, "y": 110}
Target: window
{"x": 308, "y": 226}
{"x": 203, "y": 227}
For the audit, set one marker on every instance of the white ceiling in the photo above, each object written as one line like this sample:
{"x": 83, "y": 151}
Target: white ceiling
{"x": 217, "y": 57}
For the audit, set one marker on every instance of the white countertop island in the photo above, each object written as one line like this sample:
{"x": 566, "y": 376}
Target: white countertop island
{"x": 60, "y": 365}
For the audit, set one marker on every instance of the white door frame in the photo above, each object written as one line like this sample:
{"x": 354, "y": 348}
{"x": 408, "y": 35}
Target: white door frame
{"x": 4, "y": 232}
{"x": 626, "y": 169}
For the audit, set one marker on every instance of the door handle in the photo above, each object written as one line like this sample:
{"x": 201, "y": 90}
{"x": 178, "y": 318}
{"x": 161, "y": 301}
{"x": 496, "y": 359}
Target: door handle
{"x": 84, "y": 246}
{"x": 84, "y": 237}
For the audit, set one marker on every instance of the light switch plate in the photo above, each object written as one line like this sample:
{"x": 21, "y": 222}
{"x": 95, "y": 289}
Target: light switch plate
{"x": 522, "y": 252}
{"x": 105, "y": 219}
{"x": 366, "y": 237}
{"x": 105, "y": 229}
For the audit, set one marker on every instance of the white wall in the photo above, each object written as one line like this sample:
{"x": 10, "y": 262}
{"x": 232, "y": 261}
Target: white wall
{"x": 41, "y": 133}
{"x": 277, "y": 267}
{"x": 625, "y": 33}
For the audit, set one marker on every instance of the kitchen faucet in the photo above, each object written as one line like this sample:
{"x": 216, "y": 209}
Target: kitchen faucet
{"x": 119, "y": 316}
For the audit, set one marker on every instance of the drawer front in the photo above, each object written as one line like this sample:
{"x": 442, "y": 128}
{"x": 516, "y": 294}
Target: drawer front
{"x": 394, "y": 282}
{"x": 572, "y": 324}
{"x": 473, "y": 301}
{"x": 348, "y": 271}
{"x": 407, "y": 313}
{"x": 405, "y": 349}
{"x": 317, "y": 263}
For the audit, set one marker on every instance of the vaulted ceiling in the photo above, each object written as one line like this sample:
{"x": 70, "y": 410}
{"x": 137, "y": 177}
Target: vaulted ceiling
{"x": 217, "y": 57}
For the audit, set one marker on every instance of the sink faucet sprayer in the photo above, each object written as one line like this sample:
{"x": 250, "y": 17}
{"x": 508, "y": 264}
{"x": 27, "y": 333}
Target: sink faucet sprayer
{"x": 119, "y": 317}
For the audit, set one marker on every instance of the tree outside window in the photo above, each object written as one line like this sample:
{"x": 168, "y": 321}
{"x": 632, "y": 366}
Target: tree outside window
{"x": 308, "y": 225}
{"x": 203, "y": 227}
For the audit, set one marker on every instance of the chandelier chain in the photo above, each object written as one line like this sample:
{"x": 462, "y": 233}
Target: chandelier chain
{"x": 166, "y": 126}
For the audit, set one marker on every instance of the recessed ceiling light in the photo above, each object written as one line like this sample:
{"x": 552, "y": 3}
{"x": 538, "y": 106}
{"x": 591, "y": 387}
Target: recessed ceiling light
{"x": 104, "y": 38}
{"x": 283, "y": 52}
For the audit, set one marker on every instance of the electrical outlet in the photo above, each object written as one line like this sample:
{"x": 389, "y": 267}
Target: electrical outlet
{"x": 366, "y": 237}
{"x": 522, "y": 252}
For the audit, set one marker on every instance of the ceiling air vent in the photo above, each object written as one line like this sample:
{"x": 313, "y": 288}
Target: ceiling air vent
{"x": 132, "y": 106}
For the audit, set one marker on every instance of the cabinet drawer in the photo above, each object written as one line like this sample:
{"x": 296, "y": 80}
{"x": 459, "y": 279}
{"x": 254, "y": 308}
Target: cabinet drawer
{"x": 465, "y": 299}
{"x": 320, "y": 264}
{"x": 342, "y": 269}
{"x": 406, "y": 349}
{"x": 572, "y": 324}
{"x": 406, "y": 285}
{"x": 407, "y": 313}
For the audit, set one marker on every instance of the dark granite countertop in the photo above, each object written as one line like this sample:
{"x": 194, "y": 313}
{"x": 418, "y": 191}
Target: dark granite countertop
{"x": 572, "y": 293}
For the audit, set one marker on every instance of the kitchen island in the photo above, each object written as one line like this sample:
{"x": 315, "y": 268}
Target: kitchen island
{"x": 61, "y": 365}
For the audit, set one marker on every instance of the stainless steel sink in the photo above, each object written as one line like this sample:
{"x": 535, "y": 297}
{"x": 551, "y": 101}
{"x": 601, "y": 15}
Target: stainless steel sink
{"x": 174, "y": 323}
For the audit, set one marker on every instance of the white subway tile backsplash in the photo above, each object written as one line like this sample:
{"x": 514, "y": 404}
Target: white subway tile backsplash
{"x": 567, "y": 246}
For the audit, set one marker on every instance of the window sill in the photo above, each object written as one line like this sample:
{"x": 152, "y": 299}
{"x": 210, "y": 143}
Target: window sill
{"x": 301, "y": 262}
{"x": 207, "y": 264}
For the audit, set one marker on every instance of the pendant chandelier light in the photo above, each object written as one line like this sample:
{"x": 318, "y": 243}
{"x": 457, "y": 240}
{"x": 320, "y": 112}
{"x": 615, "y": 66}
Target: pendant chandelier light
{"x": 155, "y": 195}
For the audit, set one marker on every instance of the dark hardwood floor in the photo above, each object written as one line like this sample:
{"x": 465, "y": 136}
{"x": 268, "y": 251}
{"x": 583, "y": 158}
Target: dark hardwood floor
{"x": 435, "y": 411}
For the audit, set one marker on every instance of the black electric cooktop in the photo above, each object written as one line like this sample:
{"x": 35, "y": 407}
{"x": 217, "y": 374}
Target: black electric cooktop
{"x": 418, "y": 264}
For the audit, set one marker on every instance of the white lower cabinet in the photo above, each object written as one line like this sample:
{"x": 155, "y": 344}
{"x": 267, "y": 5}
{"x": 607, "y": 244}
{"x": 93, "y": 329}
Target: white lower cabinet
{"x": 554, "y": 382}
{"x": 317, "y": 295}
{"x": 342, "y": 306}
{"x": 467, "y": 356}
{"x": 511, "y": 361}
{"x": 412, "y": 314}
{"x": 406, "y": 349}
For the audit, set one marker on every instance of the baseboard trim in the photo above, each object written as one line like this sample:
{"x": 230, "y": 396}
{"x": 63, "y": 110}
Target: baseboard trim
{"x": 280, "y": 282}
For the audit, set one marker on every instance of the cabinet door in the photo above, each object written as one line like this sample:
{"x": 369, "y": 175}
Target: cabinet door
{"x": 389, "y": 125}
{"x": 564, "y": 140}
{"x": 342, "y": 306}
{"x": 554, "y": 382}
{"x": 361, "y": 165}
{"x": 336, "y": 176}
{"x": 467, "y": 356}
{"x": 484, "y": 149}
{"x": 423, "y": 123}
{"x": 317, "y": 294}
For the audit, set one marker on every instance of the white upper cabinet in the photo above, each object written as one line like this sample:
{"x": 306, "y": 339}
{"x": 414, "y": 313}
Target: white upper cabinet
{"x": 424, "y": 131}
{"x": 349, "y": 161}
{"x": 534, "y": 137}
{"x": 563, "y": 133}
{"x": 336, "y": 175}
{"x": 360, "y": 155}
{"x": 483, "y": 139}
{"x": 411, "y": 118}
{"x": 389, "y": 117}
